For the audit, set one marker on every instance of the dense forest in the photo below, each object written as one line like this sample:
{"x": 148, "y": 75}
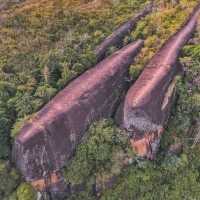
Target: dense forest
{"x": 46, "y": 44}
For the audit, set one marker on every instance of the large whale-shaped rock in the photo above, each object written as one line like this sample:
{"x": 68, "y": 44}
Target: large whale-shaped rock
{"x": 49, "y": 139}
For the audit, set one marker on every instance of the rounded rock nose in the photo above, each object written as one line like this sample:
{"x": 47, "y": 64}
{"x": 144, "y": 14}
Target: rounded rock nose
{"x": 28, "y": 133}
{"x": 27, "y": 150}
{"x": 129, "y": 50}
{"x": 125, "y": 56}
{"x": 135, "y": 46}
{"x": 135, "y": 119}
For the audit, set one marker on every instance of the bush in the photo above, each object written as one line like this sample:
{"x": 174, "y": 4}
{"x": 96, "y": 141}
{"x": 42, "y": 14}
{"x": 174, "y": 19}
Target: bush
{"x": 100, "y": 157}
{"x": 26, "y": 192}
{"x": 9, "y": 180}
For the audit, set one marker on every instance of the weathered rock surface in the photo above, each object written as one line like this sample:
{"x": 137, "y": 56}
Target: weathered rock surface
{"x": 49, "y": 139}
{"x": 148, "y": 101}
{"x": 117, "y": 36}
{"x": 175, "y": 149}
{"x": 196, "y": 132}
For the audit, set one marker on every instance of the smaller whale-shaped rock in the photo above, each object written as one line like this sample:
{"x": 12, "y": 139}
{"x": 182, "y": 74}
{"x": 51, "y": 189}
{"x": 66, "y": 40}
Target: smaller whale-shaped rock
{"x": 147, "y": 104}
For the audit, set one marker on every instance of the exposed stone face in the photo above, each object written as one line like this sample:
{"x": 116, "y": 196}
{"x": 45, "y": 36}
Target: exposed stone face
{"x": 117, "y": 36}
{"x": 175, "y": 149}
{"x": 147, "y": 104}
{"x": 49, "y": 139}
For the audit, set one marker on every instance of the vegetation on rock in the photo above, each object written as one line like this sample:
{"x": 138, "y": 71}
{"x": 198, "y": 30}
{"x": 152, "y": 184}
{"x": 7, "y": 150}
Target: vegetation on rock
{"x": 100, "y": 157}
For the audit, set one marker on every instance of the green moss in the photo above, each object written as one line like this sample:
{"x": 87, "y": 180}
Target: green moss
{"x": 196, "y": 99}
{"x": 26, "y": 192}
{"x": 18, "y": 125}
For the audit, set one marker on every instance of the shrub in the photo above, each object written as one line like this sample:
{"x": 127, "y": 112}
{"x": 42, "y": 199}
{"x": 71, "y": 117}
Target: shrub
{"x": 100, "y": 157}
{"x": 9, "y": 180}
{"x": 26, "y": 192}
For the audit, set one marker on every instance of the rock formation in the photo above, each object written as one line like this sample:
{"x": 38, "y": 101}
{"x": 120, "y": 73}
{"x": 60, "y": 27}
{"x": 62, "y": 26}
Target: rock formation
{"x": 49, "y": 139}
{"x": 117, "y": 36}
{"x": 147, "y": 104}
